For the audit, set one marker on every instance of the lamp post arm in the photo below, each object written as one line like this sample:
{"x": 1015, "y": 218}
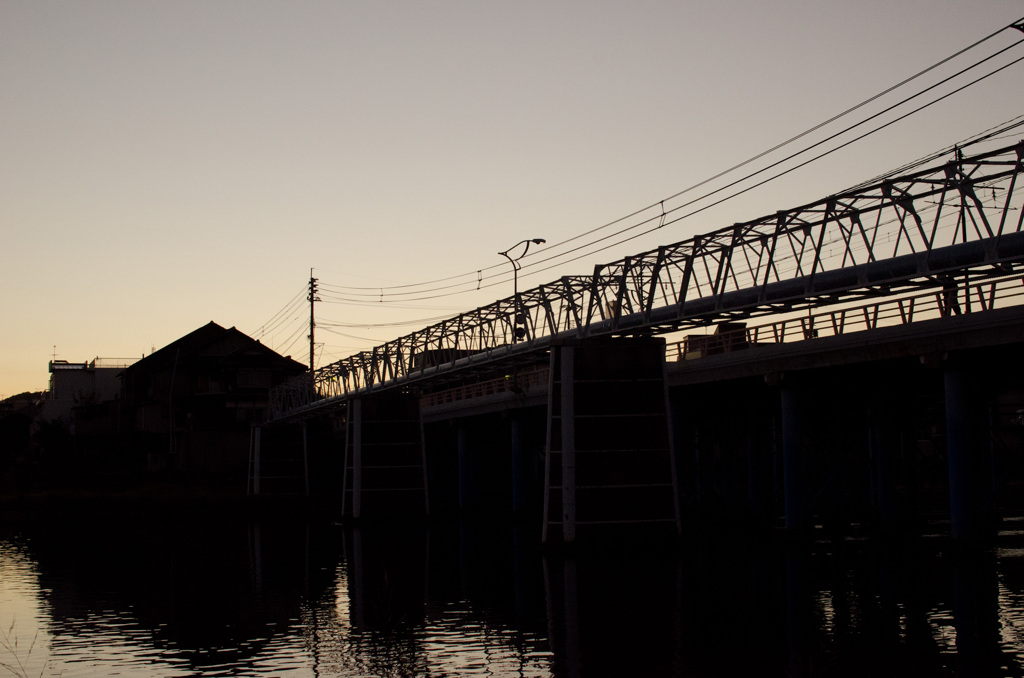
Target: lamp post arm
{"x": 515, "y": 277}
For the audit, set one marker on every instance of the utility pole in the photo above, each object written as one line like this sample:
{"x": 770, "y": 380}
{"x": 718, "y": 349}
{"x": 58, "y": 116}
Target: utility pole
{"x": 312, "y": 298}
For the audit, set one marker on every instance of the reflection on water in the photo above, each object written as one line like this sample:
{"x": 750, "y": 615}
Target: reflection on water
{"x": 203, "y": 596}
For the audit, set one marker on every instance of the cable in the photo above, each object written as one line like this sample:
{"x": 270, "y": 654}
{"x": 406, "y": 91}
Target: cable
{"x": 351, "y": 336}
{"x": 475, "y": 283}
{"x": 380, "y": 290}
{"x": 559, "y": 257}
{"x": 293, "y": 338}
{"x": 274, "y": 319}
{"x": 284, "y": 322}
{"x": 991, "y": 134}
{"x": 737, "y": 193}
{"x": 399, "y": 323}
{"x": 776, "y": 164}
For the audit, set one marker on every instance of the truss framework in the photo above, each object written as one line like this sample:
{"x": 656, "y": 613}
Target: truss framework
{"x": 921, "y": 230}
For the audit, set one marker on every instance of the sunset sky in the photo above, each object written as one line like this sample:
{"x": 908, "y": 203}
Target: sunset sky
{"x": 165, "y": 164}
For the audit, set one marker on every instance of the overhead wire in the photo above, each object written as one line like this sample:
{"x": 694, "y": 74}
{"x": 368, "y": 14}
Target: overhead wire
{"x": 751, "y": 175}
{"x": 285, "y": 323}
{"x": 290, "y": 341}
{"x": 415, "y": 292}
{"x": 803, "y": 134}
{"x": 660, "y": 218}
{"x": 387, "y": 291}
{"x": 397, "y": 323}
{"x": 277, "y": 318}
{"x": 662, "y": 222}
{"x": 994, "y": 133}
{"x": 350, "y": 336}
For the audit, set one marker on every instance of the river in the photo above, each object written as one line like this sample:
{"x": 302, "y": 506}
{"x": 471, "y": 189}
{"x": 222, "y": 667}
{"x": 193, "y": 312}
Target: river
{"x": 158, "y": 595}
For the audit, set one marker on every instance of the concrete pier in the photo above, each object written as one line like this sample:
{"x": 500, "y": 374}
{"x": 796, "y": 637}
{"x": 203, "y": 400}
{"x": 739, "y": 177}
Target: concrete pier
{"x": 384, "y": 467}
{"x": 609, "y": 452}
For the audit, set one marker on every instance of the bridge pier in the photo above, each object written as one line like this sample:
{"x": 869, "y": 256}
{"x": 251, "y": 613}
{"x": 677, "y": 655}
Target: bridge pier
{"x": 609, "y": 457}
{"x": 968, "y": 448}
{"x": 726, "y": 452}
{"x": 278, "y": 463}
{"x": 519, "y": 469}
{"x": 527, "y": 441}
{"x": 794, "y": 406}
{"x": 884, "y": 447}
{"x": 384, "y": 461}
{"x": 483, "y": 464}
{"x": 760, "y": 451}
{"x": 466, "y": 485}
{"x": 487, "y": 464}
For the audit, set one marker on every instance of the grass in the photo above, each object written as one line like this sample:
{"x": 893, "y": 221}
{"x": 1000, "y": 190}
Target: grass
{"x": 15, "y": 665}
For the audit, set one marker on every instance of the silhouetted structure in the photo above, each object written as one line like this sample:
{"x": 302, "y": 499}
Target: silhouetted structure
{"x": 79, "y": 390}
{"x": 17, "y": 415}
{"x": 189, "y": 406}
{"x": 883, "y": 386}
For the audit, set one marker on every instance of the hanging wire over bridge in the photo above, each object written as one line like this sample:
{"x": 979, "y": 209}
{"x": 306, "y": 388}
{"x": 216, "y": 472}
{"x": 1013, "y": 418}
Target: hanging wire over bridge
{"x": 936, "y": 227}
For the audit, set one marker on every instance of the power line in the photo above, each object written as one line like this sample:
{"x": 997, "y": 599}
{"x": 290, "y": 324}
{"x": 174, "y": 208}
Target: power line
{"x": 661, "y": 218}
{"x": 381, "y": 292}
{"x": 290, "y": 341}
{"x": 560, "y": 260}
{"x": 654, "y": 216}
{"x": 278, "y": 318}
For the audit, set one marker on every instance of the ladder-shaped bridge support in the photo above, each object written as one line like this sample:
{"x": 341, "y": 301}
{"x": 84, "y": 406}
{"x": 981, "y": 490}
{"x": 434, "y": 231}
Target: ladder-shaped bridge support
{"x": 609, "y": 457}
{"x": 385, "y": 472}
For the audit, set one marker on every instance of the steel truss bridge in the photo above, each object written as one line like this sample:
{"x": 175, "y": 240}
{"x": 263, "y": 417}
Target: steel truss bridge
{"x": 938, "y": 228}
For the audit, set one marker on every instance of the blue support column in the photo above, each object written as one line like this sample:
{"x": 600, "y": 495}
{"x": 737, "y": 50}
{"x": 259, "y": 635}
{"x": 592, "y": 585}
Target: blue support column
{"x": 963, "y": 510}
{"x": 884, "y": 441}
{"x": 758, "y": 473}
{"x": 520, "y": 469}
{"x": 969, "y": 453}
{"x": 465, "y": 468}
{"x": 957, "y": 452}
{"x": 794, "y": 462}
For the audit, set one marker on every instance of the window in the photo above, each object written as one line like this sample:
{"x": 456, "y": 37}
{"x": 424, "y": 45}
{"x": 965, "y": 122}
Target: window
{"x": 253, "y": 379}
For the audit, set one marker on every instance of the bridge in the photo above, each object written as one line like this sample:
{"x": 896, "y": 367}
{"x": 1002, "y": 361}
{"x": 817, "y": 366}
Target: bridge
{"x": 921, "y": 264}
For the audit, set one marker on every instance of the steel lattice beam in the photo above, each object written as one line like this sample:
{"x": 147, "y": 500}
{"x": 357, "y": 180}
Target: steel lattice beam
{"x": 914, "y": 231}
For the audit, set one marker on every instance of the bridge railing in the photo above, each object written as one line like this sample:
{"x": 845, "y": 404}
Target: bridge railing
{"x": 963, "y": 299}
{"x": 732, "y": 337}
{"x": 520, "y": 383}
{"x": 904, "y": 233}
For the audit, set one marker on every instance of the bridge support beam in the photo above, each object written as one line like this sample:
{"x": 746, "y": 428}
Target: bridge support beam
{"x": 465, "y": 468}
{"x": 884, "y": 446}
{"x": 794, "y": 455}
{"x": 520, "y": 465}
{"x": 476, "y": 443}
{"x": 278, "y": 462}
{"x": 968, "y": 450}
{"x": 526, "y": 438}
{"x": 759, "y": 462}
{"x": 385, "y": 473}
{"x": 485, "y": 465}
{"x": 609, "y": 458}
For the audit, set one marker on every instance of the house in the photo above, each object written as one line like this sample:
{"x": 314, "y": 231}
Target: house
{"x": 77, "y": 384}
{"x": 190, "y": 406}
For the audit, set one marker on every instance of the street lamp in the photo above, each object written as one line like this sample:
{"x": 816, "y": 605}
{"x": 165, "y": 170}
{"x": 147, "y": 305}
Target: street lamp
{"x": 519, "y": 331}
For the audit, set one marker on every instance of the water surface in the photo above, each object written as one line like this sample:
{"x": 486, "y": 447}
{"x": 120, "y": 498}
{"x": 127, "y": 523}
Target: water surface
{"x": 201, "y": 595}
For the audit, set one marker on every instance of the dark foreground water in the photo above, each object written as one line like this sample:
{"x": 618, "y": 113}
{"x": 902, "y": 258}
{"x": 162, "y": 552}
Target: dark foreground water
{"x": 207, "y": 596}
